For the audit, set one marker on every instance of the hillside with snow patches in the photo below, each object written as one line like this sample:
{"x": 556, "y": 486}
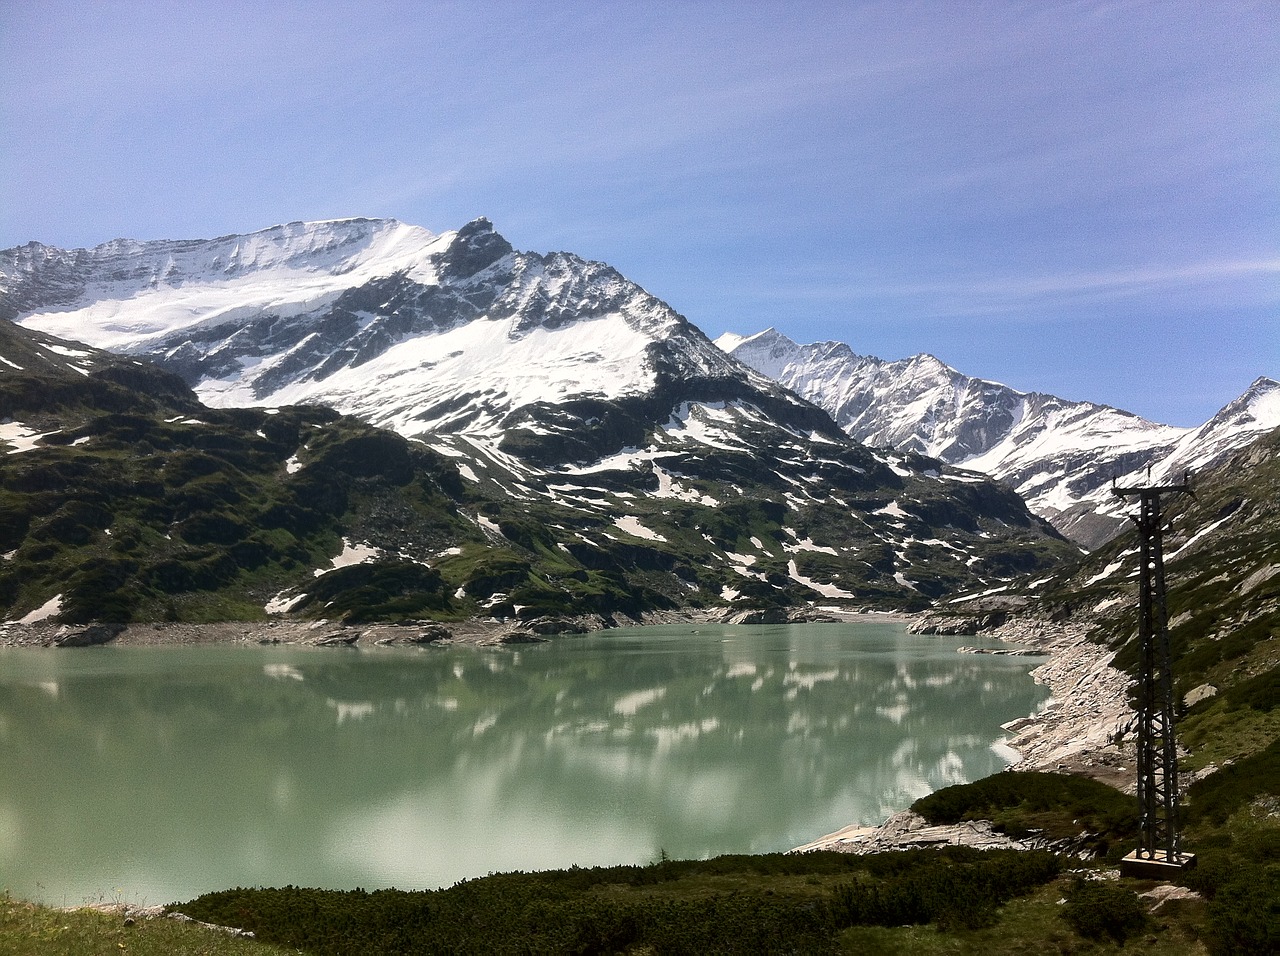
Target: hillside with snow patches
{"x": 1061, "y": 456}
{"x": 593, "y": 429}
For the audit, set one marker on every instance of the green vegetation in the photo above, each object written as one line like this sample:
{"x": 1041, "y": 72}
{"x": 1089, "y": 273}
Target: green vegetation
{"x": 30, "y": 930}
{"x": 1097, "y": 909}
{"x": 1092, "y": 815}
{"x": 137, "y": 503}
{"x": 734, "y": 904}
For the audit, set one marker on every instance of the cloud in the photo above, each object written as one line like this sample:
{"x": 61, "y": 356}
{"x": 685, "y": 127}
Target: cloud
{"x": 1031, "y": 295}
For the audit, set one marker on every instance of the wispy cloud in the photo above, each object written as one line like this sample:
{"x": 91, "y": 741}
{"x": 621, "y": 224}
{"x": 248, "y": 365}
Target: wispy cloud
{"x": 962, "y": 296}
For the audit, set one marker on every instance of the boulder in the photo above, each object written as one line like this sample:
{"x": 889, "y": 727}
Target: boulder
{"x": 521, "y": 637}
{"x": 88, "y": 636}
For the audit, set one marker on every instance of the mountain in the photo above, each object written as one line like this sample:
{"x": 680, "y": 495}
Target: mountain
{"x": 603, "y": 446}
{"x": 424, "y": 334}
{"x": 1061, "y": 456}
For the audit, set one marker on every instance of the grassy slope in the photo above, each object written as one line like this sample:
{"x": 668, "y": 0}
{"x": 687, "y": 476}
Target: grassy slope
{"x": 29, "y": 930}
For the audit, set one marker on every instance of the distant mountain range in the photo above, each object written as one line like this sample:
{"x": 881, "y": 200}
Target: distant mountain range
{"x": 1061, "y": 456}
{"x": 565, "y": 440}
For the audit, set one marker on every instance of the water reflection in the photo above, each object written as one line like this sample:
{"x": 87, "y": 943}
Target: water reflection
{"x": 162, "y": 773}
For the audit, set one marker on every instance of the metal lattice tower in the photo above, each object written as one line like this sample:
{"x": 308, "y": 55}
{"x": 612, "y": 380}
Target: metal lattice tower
{"x": 1158, "y": 804}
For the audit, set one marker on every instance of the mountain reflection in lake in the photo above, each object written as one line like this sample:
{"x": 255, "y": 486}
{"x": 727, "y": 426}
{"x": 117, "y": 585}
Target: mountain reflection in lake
{"x": 155, "y": 774}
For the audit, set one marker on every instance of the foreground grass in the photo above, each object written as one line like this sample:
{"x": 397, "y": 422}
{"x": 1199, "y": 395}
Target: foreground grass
{"x": 30, "y": 930}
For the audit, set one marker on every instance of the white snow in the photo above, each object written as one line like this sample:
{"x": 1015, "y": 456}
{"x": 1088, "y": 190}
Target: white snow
{"x": 602, "y": 357}
{"x": 68, "y": 352}
{"x": 48, "y": 609}
{"x": 826, "y": 590}
{"x": 280, "y": 604}
{"x": 631, "y": 525}
{"x": 893, "y": 509}
{"x": 1048, "y": 443}
{"x": 808, "y": 545}
{"x": 21, "y": 437}
{"x": 1201, "y": 532}
{"x": 352, "y": 553}
{"x": 286, "y": 269}
{"x": 1106, "y": 572}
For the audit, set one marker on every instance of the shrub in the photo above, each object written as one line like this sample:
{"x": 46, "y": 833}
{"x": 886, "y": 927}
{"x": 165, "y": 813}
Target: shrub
{"x": 1019, "y": 802}
{"x": 1244, "y": 913}
{"x": 956, "y": 887}
{"x": 1099, "y": 908}
{"x": 379, "y": 590}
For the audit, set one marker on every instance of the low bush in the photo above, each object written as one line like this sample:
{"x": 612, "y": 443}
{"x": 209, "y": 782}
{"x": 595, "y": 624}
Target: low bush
{"x": 1244, "y": 913}
{"x": 1062, "y": 806}
{"x": 724, "y": 905}
{"x": 1100, "y": 908}
{"x": 957, "y": 887}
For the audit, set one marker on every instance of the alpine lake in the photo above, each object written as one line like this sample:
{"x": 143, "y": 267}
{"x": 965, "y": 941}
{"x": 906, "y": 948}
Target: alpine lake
{"x": 155, "y": 774}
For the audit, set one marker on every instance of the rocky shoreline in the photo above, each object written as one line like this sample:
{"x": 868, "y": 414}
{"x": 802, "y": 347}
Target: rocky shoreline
{"x": 480, "y": 632}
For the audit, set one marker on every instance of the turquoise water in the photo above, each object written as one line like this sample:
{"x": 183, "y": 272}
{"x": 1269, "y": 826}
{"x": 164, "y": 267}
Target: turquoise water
{"x": 156, "y": 774}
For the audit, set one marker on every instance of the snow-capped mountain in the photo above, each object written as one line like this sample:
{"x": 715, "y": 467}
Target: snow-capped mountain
{"x": 591, "y": 423}
{"x": 420, "y": 333}
{"x": 1061, "y": 456}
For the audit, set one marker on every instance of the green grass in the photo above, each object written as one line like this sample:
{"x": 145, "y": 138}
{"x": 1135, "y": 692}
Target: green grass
{"x": 30, "y": 930}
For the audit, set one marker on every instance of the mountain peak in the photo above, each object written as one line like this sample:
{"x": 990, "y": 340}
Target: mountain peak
{"x": 475, "y": 247}
{"x": 1259, "y": 404}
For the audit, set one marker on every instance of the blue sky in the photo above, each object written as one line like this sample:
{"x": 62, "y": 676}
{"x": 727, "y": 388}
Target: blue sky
{"x": 1074, "y": 197}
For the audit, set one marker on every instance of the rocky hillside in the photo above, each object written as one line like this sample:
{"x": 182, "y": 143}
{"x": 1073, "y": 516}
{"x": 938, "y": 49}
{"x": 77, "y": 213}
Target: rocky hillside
{"x": 1222, "y": 562}
{"x": 125, "y": 498}
{"x": 1222, "y": 559}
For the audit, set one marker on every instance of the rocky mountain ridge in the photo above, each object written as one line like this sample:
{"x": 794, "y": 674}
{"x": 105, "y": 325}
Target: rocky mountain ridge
{"x": 1060, "y": 455}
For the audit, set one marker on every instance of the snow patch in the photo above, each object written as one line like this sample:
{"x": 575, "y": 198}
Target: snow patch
{"x": 21, "y": 437}
{"x": 826, "y": 590}
{"x": 281, "y": 604}
{"x": 351, "y": 554}
{"x": 632, "y": 526}
{"x": 48, "y": 609}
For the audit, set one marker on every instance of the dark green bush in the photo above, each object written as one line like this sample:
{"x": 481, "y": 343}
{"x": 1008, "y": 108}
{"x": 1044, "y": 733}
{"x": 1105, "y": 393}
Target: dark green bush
{"x": 1021, "y": 802}
{"x": 634, "y": 908}
{"x": 1099, "y": 908}
{"x": 1244, "y": 913}
{"x": 380, "y": 590}
{"x": 1262, "y": 692}
{"x": 957, "y": 887}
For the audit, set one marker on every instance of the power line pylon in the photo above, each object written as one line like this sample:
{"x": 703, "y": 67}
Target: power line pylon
{"x": 1159, "y": 841}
